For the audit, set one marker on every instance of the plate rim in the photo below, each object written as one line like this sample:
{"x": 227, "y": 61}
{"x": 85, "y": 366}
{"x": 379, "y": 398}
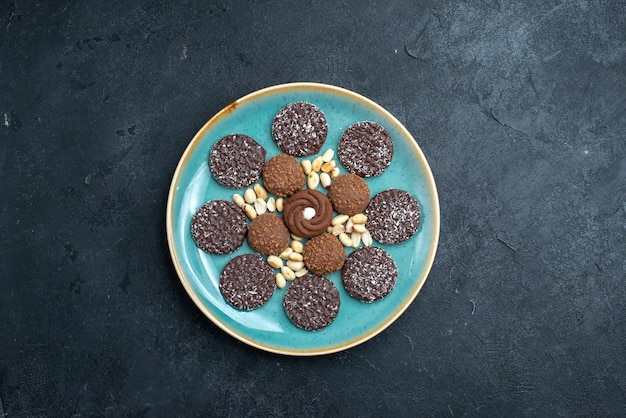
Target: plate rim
{"x": 184, "y": 159}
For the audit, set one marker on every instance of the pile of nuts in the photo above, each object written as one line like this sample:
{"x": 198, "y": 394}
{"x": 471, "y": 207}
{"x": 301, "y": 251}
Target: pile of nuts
{"x": 253, "y": 202}
{"x": 322, "y": 170}
{"x": 290, "y": 262}
{"x": 350, "y": 230}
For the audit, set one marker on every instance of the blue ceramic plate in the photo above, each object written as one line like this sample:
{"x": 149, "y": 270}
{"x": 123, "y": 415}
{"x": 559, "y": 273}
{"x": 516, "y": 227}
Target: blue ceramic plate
{"x": 268, "y": 327}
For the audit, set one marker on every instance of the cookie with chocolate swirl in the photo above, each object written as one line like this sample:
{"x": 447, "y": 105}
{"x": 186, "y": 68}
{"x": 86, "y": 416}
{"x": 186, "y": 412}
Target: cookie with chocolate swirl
{"x": 308, "y": 213}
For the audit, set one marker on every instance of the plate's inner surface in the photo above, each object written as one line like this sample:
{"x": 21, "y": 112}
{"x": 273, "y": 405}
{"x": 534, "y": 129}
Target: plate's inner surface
{"x": 268, "y": 327}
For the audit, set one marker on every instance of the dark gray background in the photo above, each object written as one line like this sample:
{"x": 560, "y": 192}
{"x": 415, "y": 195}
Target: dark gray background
{"x": 520, "y": 108}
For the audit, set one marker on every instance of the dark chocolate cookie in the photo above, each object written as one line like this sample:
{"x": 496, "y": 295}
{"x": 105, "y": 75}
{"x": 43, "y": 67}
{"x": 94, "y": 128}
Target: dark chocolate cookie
{"x": 219, "y": 227}
{"x": 369, "y": 274}
{"x": 365, "y": 149}
{"x": 236, "y": 161}
{"x": 312, "y": 302}
{"x": 308, "y": 213}
{"x": 268, "y": 234}
{"x": 393, "y": 216}
{"x": 300, "y": 129}
{"x": 247, "y": 282}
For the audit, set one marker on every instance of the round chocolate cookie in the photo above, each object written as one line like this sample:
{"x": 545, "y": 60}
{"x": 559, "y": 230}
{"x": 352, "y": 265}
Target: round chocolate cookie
{"x": 366, "y": 149}
{"x": 219, "y": 227}
{"x": 268, "y": 234}
{"x": 300, "y": 129}
{"x": 247, "y": 282}
{"x": 308, "y": 213}
{"x": 312, "y": 302}
{"x": 369, "y": 274}
{"x": 323, "y": 254}
{"x": 393, "y": 216}
{"x": 349, "y": 194}
{"x": 283, "y": 175}
{"x": 236, "y": 161}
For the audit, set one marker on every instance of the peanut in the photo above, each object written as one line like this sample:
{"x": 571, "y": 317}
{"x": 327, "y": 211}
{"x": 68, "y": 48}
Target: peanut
{"x": 260, "y": 206}
{"x": 249, "y": 211}
{"x": 249, "y": 196}
{"x": 280, "y": 204}
{"x": 271, "y": 204}
{"x": 316, "y": 165}
{"x": 295, "y": 265}
{"x": 286, "y": 253}
{"x": 325, "y": 180}
{"x": 295, "y": 256}
{"x": 260, "y": 191}
{"x": 337, "y": 229}
{"x": 339, "y": 219}
{"x": 345, "y": 239}
{"x": 328, "y": 167}
{"x": 359, "y": 218}
{"x": 366, "y": 237}
{"x": 349, "y": 226}
{"x": 238, "y": 200}
{"x": 306, "y": 166}
{"x": 274, "y": 261}
{"x": 328, "y": 155}
{"x": 280, "y": 280}
{"x": 288, "y": 273}
{"x": 301, "y": 272}
{"x": 312, "y": 180}
{"x": 297, "y": 246}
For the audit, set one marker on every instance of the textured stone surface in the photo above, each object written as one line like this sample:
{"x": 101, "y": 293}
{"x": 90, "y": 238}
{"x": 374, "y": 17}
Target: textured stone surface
{"x": 519, "y": 108}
